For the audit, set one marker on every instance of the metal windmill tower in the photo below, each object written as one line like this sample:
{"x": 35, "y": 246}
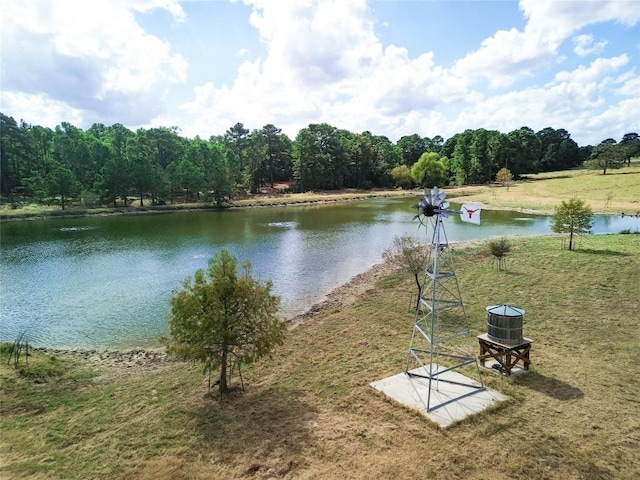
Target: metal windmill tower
{"x": 437, "y": 344}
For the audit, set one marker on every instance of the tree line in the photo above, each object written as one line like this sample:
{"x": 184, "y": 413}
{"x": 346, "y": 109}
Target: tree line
{"x": 107, "y": 165}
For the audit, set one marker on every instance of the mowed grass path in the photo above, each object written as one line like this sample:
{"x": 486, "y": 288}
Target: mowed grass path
{"x": 309, "y": 412}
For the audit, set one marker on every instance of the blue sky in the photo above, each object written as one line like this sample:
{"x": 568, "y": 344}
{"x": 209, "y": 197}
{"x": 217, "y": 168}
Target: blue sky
{"x": 391, "y": 67}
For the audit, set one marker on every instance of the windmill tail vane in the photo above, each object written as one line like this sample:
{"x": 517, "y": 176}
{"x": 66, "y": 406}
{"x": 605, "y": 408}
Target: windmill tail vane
{"x": 470, "y": 213}
{"x": 433, "y": 203}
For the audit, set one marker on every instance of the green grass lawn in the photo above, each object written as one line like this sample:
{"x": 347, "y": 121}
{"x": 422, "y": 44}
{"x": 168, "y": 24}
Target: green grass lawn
{"x": 616, "y": 192}
{"x": 309, "y": 412}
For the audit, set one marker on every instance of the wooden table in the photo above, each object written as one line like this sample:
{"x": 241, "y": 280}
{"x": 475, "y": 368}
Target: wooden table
{"x": 506, "y": 355}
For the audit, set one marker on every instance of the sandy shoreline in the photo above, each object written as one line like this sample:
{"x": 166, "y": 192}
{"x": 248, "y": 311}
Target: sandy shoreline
{"x": 263, "y": 201}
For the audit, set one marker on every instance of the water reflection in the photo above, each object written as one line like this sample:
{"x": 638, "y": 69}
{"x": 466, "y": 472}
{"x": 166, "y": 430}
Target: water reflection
{"x": 106, "y": 281}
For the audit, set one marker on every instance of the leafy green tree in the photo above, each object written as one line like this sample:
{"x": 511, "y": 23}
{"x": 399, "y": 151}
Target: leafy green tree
{"x": 363, "y": 164}
{"x": 218, "y": 174}
{"x": 160, "y": 184}
{"x": 36, "y": 186}
{"x": 167, "y": 145}
{"x": 113, "y": 181}
{"x": 430, "y": 171}
{"x": 11, "y": 150}
{"x": 369, "y": 159}
{"x": 475, "y": 155}
{"x": 449, "y": 146}
{"x": 313, "y": 158}
{"x": 631, "y": 142}
{"x": 100, "y": 153}
{"x": 481, "y": 160}
{"x": 191, "y": 178}
{"x": 498, "y": 148}
{"x": 71, "y": 149}
{"x": 277, "y": 154}
{"x": 384, "y": 156}
{"x": 557, "y": 151}
{"x": 402, "y": 177}
{"x": 412, "y": 148}
{"x": 436, "y": 144}
{"x": 256, "y": 160}
{"x": 40, "y": 141}
{"x": 237, "y": 140}
{"x": 572, "y": 217}
{"x": 607, "y": 156}
{"x": 63, "y": 182}
{"x": 523, "y": 151}
{"x": 463, "y": 164}
{"x": 222, "y": 318}
{"x": 141, "y": 159}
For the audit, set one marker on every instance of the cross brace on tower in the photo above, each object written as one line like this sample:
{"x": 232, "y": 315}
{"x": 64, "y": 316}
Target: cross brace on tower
{"x": 437, "y": 341}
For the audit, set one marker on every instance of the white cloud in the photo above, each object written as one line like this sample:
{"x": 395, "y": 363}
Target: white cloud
{"x": 630, "y": 86}
{"x": 512, "y": 55}
{"x": 41, "y": 110}
{"x": 92, "y": 57}
{"x": 324, "y": 63}
{"x": 317, "y": 42}
{"x": 599, "y": 70}
{"x": 172, "y": 6}
{"x": 66, "y": 60}
{"x": 573, "y": 100}
{"x": 583, "y": 45}
{"x": 568, "y": 16}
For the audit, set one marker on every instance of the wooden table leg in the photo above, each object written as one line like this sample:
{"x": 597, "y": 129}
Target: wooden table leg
{"x": 506, "y": 357}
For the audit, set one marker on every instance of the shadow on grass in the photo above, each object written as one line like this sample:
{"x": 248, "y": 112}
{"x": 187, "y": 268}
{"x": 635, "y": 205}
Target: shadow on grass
{"x": 550, "y": 386}
{"x": 593, "y": 251}
{"x": 618, "y": 172}
{"x": 511, "y": 273}
{"x": 264, "y": 420}
{"x": 529, "y": 179}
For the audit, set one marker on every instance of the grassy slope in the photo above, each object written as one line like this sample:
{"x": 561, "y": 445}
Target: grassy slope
{"x": 616, "y": 192}
{"x": 309, "y": 412}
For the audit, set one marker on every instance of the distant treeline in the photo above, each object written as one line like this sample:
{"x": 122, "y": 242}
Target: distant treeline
{"x": 106, "y": 165}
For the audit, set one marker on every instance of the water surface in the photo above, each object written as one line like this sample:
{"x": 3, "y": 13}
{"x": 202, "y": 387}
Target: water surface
{"x": 106, "y": 281}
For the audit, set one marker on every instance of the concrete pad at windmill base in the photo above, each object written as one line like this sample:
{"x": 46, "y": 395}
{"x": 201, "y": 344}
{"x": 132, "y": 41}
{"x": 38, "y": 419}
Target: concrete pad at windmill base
{"x": 453, "y": 397}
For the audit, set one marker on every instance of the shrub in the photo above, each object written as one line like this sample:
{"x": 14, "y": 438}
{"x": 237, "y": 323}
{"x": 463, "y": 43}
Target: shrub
{"x": 499, "y": 248}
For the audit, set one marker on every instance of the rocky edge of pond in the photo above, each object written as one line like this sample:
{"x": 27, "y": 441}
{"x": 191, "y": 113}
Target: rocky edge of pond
{"x": 155, "y": 357}
{"x": 340, "y": 297}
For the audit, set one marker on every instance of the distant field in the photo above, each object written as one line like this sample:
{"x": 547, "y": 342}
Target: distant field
{"x": 616, "y": 192}
{"x": 309, "y": 412}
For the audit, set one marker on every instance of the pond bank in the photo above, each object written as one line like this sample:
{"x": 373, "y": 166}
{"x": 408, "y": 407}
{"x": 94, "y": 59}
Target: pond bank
{"x": 339, "y": 298}
{"x": 294, "y": 199}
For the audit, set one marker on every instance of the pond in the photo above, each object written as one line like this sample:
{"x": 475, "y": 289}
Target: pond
{"x": 105, "y": 281}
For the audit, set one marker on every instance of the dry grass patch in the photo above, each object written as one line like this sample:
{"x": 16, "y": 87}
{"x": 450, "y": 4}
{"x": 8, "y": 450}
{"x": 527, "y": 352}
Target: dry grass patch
{"x": 309, "y": 412}
{"x": 316, "y": 197}
{"x": 616, "y": 192}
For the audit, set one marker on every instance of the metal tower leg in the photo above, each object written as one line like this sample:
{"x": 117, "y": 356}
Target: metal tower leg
{"x": 437, "y": 341}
